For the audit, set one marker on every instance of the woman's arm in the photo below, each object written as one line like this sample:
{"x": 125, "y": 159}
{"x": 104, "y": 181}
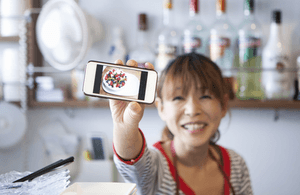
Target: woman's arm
{"x": 126, "y": 116}
{"x": 147, "y": 171}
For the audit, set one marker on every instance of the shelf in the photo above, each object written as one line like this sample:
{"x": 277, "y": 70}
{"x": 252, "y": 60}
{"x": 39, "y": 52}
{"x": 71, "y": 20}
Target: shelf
{"x": 267, "y": 104}
{"x": 68, "y": 104}
{"x": 253, "y": 104}
{"x": 72, "y": 104}
{"x": 9, "y": 39}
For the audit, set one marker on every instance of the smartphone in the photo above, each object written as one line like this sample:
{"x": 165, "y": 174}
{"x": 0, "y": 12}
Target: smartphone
{"x": 115, "y": 81}
{"x": 96, "y": 143}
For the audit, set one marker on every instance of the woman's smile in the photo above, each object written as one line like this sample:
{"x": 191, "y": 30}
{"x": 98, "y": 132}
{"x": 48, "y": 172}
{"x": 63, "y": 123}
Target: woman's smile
{"x": 194, "y": 127}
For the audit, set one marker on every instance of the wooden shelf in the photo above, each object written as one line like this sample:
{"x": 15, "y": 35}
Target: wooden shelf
{"x": 9, "y": 39}
{"x": 69, "y": 103}
{"x": 233, "y": 104}
{"x": 268, "y": 104}
{"x": 73, "y": 104}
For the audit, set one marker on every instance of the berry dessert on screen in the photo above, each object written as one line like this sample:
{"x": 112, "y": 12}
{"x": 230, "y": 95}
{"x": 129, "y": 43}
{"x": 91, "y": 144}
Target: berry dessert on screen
{"x": 115, "y": 79}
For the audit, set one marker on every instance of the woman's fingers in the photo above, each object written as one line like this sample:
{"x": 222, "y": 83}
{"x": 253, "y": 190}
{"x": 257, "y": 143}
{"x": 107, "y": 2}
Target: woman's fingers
{"x": 132, "y": 63}
{"x": 149, "y": 65}
{"x": 119, "y": 62}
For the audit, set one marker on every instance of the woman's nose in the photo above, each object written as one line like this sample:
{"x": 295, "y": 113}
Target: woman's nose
{"x": 192, "y": 107}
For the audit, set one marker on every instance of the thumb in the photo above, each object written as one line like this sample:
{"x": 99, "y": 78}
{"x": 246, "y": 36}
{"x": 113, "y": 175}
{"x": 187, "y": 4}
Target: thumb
{"x": 133, "y": 113}
{"x": 135, "y": 107}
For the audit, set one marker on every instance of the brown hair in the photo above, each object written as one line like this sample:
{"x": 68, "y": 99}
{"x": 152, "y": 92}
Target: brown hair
{"x": 192, "y": 69}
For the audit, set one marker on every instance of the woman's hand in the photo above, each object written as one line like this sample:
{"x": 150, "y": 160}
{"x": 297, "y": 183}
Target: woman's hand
{"x": 126, "y": 117}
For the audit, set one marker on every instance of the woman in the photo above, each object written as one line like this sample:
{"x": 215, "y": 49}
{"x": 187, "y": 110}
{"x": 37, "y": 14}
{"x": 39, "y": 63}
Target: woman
{"x": 191, "y": 99}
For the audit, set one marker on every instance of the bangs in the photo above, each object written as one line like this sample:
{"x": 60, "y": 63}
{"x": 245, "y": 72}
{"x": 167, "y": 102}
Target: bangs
{"x": 192, "y": 71}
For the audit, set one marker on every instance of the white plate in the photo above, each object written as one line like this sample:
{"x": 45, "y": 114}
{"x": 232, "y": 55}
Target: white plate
{"x": 108, "y": 87}
{"x": 13, "y": 125}
{"x": 131, "y": 87}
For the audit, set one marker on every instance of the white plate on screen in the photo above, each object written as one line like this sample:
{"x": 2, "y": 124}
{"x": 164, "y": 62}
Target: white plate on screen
{"x": 131, "y": 87}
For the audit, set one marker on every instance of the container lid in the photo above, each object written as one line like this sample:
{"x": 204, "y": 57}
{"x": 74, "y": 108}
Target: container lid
{"x": 194, "y": 8}
{"x": 143, "y": 25}
{"x": 276, "y": 16}
{"x": 221, "y": 6}
{"x": 168, "y": 4}
{"x": 13, "y": 125}
{"x": 249, "y": 5}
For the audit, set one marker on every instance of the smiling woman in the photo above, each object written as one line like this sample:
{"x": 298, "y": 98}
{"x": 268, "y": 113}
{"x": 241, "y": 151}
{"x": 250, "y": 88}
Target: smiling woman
{"x": 185, "y": 72}
{"x": 192, "y": 99}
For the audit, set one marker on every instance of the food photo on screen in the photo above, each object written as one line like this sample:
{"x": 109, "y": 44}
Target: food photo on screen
{"x": 120, "y": 82}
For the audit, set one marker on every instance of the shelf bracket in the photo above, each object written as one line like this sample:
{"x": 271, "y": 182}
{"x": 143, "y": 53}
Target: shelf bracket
{"x": 276, "y": 116}
{"x": 70, "y": 112}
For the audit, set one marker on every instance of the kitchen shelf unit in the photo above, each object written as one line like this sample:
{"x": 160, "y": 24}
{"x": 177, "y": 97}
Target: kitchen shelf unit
{"x": 36, "y": 58}
{"x": 11, "y": 39}
{"x": 233, "y": 104}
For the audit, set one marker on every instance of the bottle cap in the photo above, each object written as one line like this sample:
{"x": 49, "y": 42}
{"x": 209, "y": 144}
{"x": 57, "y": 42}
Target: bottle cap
{"x": 168, "y": 4}
{"x": 276, "y": 16}
{"x": 221, "y": 6}
{"x": 143, "y": 21}
{"x": 194, "y": 6}
{"x": 249, "y": 5}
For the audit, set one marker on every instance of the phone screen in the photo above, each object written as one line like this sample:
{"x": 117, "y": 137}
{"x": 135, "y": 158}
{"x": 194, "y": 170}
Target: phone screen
{"x": 120, "y": 82}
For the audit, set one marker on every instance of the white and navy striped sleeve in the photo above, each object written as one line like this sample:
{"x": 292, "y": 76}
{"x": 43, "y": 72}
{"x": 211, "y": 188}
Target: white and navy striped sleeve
{"x": 149, "y": 170}
{"x": 240, "y": 178}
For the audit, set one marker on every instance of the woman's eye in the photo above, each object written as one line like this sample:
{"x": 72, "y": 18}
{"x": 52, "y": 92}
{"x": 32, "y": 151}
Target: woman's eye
{"x": 177, "y": 98}
{"x": 206, "y": 97}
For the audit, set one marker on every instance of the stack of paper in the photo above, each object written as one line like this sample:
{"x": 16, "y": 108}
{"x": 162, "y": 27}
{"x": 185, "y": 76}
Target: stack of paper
{"x": 100, "y": 188}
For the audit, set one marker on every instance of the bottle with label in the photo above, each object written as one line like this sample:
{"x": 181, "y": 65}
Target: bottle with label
{"x": 117, "y": 48}
{"x": 250, "y": 51}
{"x": 277, "y": 79}
{"x": 142, "y": 53}
{"x": 221, "y": 43}
{"x": 168, "y": 39}
{"x": 195, "y": 33}
{"x": 297, "y": 92}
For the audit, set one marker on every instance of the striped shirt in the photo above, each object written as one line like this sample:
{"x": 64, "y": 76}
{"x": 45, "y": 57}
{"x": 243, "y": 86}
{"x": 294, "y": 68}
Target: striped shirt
{"x": 154, "y": 173}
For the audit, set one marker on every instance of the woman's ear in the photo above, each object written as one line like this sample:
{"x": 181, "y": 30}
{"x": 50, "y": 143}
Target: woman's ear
{"x": 160, "y": 107}
{"x": 225, "y": 106}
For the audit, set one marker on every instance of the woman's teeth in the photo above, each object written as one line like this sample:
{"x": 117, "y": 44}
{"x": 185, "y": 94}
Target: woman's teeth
{"x": 192, "y": 127}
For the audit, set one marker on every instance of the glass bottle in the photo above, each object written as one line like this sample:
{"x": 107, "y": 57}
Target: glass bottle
{"x": 117, "y": 48}
{"x": 195, "y": 33}
{"x": 221, "y": 43}
{"x": 297, "y": 93}
{"x": 277, "y": 79}
{"x": 168, "y": 39}
{"x": 250, "y": 51}
{"x": 142, "y": 53}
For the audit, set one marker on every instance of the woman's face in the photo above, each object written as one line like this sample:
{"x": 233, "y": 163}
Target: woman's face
{"x": 193, "y": 118}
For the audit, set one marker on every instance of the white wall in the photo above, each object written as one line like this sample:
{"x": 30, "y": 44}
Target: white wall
{"x": 269, "y": 147}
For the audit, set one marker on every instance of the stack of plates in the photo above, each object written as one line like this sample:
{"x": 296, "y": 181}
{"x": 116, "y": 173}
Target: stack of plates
{"x": 52, "y": 183}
